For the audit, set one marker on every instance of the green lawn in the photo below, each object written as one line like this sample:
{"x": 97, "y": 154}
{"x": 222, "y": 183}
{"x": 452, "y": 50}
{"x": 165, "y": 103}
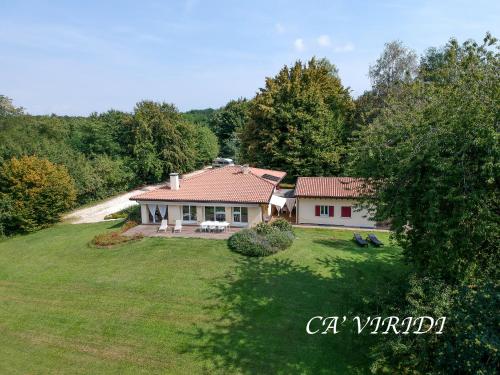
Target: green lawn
{"x": 184, "y": 306}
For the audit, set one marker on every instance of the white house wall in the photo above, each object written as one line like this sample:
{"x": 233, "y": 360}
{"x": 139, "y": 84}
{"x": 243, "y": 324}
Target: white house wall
{"x": 307, "y": 213}
{"x": 144, "y": 214}
{"x": 254, "y": 216}
{"x": 175, "y": 212}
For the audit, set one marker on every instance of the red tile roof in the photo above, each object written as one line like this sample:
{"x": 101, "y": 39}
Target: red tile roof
{"x": 227, "y": 184}
{"x": 265, "y": 173}
{"x": 329, "y": 187}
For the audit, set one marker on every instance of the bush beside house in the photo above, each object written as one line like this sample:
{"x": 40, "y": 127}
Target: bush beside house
{"x": 132, "y": 213}
{"x": 263, "y": 240}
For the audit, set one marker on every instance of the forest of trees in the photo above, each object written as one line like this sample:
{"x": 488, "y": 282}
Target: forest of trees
{"x": 425, "y": 137}
{"x": 103, "y": 154}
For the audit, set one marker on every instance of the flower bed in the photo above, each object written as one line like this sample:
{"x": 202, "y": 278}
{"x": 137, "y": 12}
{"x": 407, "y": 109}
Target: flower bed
{"x": 110, "y": 239}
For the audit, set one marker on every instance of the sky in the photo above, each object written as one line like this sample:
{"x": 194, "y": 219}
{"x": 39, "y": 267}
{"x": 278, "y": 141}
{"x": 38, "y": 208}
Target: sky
{"x": 79, "y": 57}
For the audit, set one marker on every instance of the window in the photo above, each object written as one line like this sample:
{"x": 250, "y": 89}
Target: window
{"x": 240, "y": 214}
{"x": 209, "y": 213}
{"x": 220, "y": 213}
{"x": 189, "y": 213}
{"x": 345, "y": 211}
{"x": 215, "y": 213}
{"x": 324, "y": 211}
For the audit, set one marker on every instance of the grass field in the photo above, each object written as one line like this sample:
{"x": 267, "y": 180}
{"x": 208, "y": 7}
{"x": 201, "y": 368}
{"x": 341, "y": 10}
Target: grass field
{"x": 184, "y": 306}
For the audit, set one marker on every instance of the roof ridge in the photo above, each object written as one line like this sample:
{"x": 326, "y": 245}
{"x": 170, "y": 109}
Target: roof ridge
{"x": 212, "y": 170}
{"x": 238, "y": 167}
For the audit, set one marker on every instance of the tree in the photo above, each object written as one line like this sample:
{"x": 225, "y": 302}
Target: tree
{"x": 432, "y": 162}
{"x": 37, "y": 191}
{"x": 368, "y": 106}
{"x": 199, "y": 116}
{"x": 118, "y": 124}
{"x": 397, "y": 65}
{"x": 432, "y": 156}
{"x": 300, "y": 121}
{"x": 92, "y": 136}
{"x": 226, "y": 123}
{"x": 207, "y": 147}
{"x": 162, "y": 141}
{"x": 7, "y": 108}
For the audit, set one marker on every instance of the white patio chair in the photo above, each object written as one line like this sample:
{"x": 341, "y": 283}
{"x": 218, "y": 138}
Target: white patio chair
{"x": 163, "y": 226}
{"x": 178, "y": 226}
{"x": 203, "y": 227}
{"x": 212, "y": 227}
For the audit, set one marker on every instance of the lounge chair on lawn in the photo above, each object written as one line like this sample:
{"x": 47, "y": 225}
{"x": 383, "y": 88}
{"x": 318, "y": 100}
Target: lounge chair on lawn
{"x": 178, "y": 226}
{"x": 163, "y": 225}
{"x": 374, "y": 240}
{"x": 359, "y": 240}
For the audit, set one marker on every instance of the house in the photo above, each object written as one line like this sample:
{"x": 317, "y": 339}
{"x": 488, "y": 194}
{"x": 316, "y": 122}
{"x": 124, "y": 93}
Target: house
{"x": 330, "y": 201}
{"x": 240, "y": 195}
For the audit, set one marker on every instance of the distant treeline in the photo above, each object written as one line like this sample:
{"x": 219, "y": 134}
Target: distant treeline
{"x": 113, "y": 151}
{"x": 96, "y": 157}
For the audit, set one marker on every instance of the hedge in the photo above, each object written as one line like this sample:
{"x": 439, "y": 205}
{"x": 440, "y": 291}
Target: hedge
{"x": 263, "y": 240}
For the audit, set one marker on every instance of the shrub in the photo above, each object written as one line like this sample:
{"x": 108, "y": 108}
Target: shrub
{"x": 116, "y": 215}
{"x": 280, "y": 240}
{"x": 110, "y": 239}
{"x": 128, "y": 224}
{"x": 134, "y": 214}
{"x": 470, "y": 338}
{"x": 249, "y": 242}
{"x": 263, "y": 228}
{"x": 131, "y": 214}
{"x": 282, "y": 225}
{"x": 38, "y": 192}
{"x": 263, "y": 240}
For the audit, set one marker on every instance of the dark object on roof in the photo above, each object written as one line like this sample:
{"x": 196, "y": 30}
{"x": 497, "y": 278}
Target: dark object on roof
{"x": 374, "y": 240}
{"x": 270, "y": 177}
{"x": 359, "y": 240}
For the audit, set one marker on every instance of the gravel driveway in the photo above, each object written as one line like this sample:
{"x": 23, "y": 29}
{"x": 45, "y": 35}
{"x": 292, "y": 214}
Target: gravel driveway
{"x": 96, "y": 213}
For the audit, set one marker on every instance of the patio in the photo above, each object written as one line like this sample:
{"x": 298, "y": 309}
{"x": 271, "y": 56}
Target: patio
{"x": 188, "y": 231}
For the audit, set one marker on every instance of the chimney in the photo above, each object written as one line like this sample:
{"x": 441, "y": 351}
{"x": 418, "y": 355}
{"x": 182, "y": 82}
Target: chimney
{"x": 245, "y": 169}
{"x": 174, "y": 181}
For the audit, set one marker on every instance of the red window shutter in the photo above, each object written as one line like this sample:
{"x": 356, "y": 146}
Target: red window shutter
{"x": 346, "y": 211}
{"x": 330, "y": 211}
{"x": 317, "y": 211}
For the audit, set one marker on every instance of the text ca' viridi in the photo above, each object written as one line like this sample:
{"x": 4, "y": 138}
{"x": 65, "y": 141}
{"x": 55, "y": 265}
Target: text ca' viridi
{"x": 376, "y": 325}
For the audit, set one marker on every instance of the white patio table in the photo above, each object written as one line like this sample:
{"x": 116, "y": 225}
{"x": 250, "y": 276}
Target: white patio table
{"x": 207, "y": 224}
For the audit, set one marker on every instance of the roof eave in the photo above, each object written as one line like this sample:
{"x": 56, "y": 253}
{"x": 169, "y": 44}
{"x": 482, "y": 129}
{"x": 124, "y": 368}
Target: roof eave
{"x": 198, "y": 201}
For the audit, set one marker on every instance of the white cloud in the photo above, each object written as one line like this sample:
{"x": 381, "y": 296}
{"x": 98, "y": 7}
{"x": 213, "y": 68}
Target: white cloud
{"x": 324, "y": 41}
{"x": 348, "y": 47}
{"x": 299, "y": 44}
{"x": 280, "y": 29}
